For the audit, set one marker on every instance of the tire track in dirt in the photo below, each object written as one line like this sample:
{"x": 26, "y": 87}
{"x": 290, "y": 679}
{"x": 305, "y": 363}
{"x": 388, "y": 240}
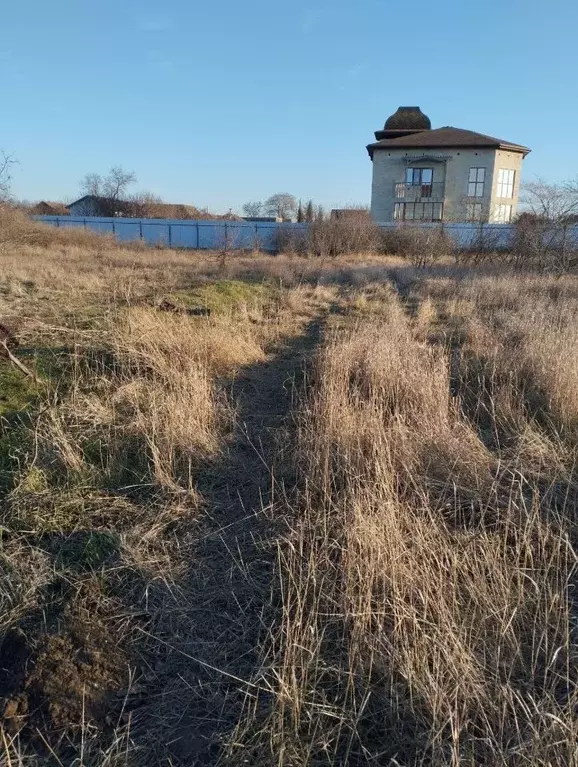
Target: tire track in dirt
{"x": 214, "y": 652}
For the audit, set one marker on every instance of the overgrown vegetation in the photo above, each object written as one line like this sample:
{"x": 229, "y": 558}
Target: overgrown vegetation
{"x": 332, "y": 522}
{"x": 426, "y": 581}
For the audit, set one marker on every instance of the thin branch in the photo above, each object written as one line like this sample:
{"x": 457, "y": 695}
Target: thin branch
{"x": 20, "y": 365}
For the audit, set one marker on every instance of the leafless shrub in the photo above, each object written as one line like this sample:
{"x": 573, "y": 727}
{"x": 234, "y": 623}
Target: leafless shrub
{"x": 290, "y": 239}
{"x": 544, "y": 244}
{"x": 487, "y": 245}
{"x": 329, "y": 238}
{"x": 423, "y": 246}
{"x": 7, "y": 162}
{"x": 340, "y": 236}
{"x": 545, "y": 236}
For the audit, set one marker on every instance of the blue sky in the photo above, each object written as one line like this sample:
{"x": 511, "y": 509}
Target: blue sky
{"x": 216, "y": 103}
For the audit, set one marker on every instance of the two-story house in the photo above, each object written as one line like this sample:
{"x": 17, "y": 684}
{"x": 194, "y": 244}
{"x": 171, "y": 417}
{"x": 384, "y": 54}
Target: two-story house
{"x": 445, "y": 174}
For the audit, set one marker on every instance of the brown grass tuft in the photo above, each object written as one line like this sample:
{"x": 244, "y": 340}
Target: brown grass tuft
{"x": 426, "y": 612}
{"x": 384, "y": 574}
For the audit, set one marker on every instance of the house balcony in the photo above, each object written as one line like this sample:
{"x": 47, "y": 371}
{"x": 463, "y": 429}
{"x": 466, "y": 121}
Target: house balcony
{"x": 433, "y": 192}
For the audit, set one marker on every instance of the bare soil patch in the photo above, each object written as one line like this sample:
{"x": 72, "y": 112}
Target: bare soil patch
{"x": 61, "y": 670}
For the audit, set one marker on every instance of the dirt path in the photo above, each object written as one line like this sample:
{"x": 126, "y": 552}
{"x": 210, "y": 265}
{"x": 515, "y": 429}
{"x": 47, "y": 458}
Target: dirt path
{"x": 203, "y": 687}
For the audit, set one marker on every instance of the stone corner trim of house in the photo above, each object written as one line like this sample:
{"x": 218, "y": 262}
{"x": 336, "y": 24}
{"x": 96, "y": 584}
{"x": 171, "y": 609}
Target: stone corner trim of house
{"x": 442, "y": 174}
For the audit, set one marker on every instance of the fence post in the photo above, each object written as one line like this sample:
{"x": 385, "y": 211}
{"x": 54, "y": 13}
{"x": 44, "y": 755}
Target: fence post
{"x": 113, "y": 229}
{"x": 170, "y": 235}
{"x": 140, "y": 228}
{"x": 57, "y": 222}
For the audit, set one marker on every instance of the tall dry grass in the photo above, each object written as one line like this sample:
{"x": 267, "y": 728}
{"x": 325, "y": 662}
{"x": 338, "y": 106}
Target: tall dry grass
{"x": 74, "y": 267}
{"x": 426, "y": 586}
{"x": 171, "y": 367}
{"x": 514, "y": 338}
{"x": 105, "y": 497}
{"x": 18, "y": 229}
{"x": 152, "y": 400}
{"x": 425, "y": 582}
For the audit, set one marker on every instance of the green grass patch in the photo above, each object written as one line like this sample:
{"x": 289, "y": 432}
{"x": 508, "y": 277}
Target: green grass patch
{"x": 18, "y": 394}
{"x": 17, "y": 390}
{"x": 226, "y": 296}
{"x": 34, "y": 480}
{"x": 9, "y": 449}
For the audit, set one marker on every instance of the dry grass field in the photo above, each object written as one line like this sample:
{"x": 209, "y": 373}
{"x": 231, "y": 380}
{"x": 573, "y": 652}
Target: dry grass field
{"x": 331, "y": 523}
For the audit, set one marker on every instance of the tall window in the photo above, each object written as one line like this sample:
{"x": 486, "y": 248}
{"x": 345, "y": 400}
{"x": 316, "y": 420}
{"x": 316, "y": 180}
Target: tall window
{"x": 474, "y": 211}
{"x": 503, "y": 214}
{"x": 420, "y": 177}
{"x": 418, "y": 211}
{"x": 506, "y": 180}
{"x": 476, "y": 181}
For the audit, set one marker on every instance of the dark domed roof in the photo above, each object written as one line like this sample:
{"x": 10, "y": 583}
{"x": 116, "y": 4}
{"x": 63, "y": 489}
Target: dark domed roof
{"x": 405, "y": 121}
{"x": 408, "y": 118}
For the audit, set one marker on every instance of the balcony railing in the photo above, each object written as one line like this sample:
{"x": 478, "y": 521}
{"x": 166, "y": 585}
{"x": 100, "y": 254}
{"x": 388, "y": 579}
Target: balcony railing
{"x": 433, "y": 192}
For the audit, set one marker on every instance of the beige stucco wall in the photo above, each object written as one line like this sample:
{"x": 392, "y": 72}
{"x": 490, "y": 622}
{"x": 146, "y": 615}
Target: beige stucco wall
{"x": 457, "y": 182}
{"x": 454, "y": 166}
{"x": 389, "y": 170}
{"x": 510, "y": 161}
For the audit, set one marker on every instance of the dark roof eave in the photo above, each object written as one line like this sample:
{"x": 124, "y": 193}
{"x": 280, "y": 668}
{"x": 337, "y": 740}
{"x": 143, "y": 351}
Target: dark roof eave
{"x": 384, "y": 144}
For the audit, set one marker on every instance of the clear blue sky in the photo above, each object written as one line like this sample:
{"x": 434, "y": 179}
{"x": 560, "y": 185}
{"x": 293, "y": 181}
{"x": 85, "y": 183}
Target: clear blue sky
{"x": 216, "y": 103}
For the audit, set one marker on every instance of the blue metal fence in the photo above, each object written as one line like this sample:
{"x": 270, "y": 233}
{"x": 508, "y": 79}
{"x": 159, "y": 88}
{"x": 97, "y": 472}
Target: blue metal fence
{"x": 261, "y": 235}
{"x": 184, "y": 233}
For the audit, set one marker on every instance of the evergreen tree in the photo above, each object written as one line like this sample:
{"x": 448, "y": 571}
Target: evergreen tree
{"x": 309, "y": 211}
{"x": 300, "y": 217}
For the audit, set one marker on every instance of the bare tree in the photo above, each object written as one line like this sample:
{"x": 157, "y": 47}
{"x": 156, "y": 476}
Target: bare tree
{"x": 144, "y": 205}
{"x": 553, "y": 202}
{"x": 544, "y": 236}
{"x": 253, "y": 209}
{"x": 114, "y": 185}
{"x": 117, "y": 182}
{"x": 7, "y": 161}
{"x": 571, "y": 188}
{"x": 112, "y": 191}
{"x": 283, "y": 205}
{"x": 92, "y": 184}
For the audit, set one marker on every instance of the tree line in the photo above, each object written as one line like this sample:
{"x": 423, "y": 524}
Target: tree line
{"x": 285, "y": 206}
{"x": 114, "y": 190}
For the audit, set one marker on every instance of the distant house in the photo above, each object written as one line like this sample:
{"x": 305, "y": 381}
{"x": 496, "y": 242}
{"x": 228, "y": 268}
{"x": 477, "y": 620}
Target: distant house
{"x": 444, "y": 174}
{"x": 44, "y": 208}
{"x": 92, "y": 205}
